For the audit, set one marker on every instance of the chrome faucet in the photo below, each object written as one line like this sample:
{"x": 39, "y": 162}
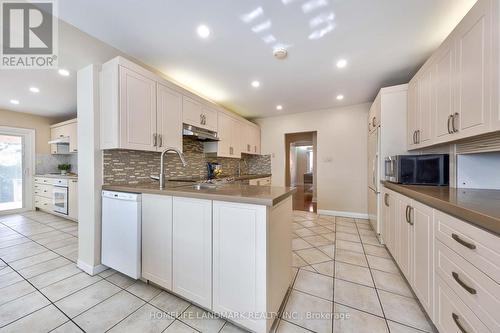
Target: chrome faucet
{"x": 161, "y": 178}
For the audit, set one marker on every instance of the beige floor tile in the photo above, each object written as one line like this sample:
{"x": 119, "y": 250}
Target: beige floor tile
{"x": 300, "y": 306}
{"x": 68, "y": 327}
{"x": 62, "y": 243}
{"x": 61, "y": 273}
{"x": 391, "y": 282}
{"x": 362, "y": 221}
{"x": 106, "y": 273}
{"x": 367, "y": 232}
{"x": 15, "y": 290}
{"x": 364, "y": 226}
{"x": 378, "y": 251}
{"x": 304, "y": 232}
{"x": 296, "y": 226}
{"x": 49, "y": 236}
{"x": 349, "y": 246}
{"x": 286, "y": 327}
{"x": 69, "y": 285}
{"x": 371, "y": 240}
{"x": 13, "y": 241}
{"x": 347, "y": 237}
{"x": 404, "y": 310}
{"x": 308, "y": 224}
{"x": 351, "y": 320}
{"x": 143, "y": 320}
{"x": 143, "y": 290}
{"x": 340, "y": 219}
{"x": 202, "y": 320}
{"x": 382, "y": 264}
{"x": 121, "y": 280}
{"x": 357, "y": 296}
{"x": 169, "y": 303}
{"x": 325, "y": 268}
{"x": 347, "y": 229}
{"x": 350, "y": 257}
{"x": 179, "y": 327}
{"x": 300, "y": 244}
{"x": 317, "y": 240}
{"x": 21, "y": 251}
{"x": 105, "y": 315}
{"x": 43, "y": 320}
{"x": 21, "y": 307}
{"x": 330, "y": 236}
{"x": 9, "y": 278}
{"x": 33, "y": 260}
{"x": 43, "y": 267}
{"x": 314, "y": 284}
{"x": 400, "y": 328}
{"x": 82, "y": 300}
{"x": 308, "y": 268}
{"x": 313, "y": 256}
{"x": 230, "y": 328}
{"x": 320, "y": 230}
{"x": 353, "y": 273}
{"x": 298, "y": 261}
{"x": 329, "y": 250}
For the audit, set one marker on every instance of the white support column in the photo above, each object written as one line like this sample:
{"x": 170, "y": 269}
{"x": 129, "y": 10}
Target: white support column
{"x": 89, "y": 172}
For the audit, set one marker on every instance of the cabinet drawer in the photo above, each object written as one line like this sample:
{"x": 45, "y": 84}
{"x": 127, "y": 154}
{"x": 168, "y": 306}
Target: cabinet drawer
{"x": 479, "y": 247}
{"x": 452, "y": 315}
{"x": 42, "y": 180}
{"x": 43, "y": 190}
{"x": 478, "y": 291}
{"x": 43, "y": 203}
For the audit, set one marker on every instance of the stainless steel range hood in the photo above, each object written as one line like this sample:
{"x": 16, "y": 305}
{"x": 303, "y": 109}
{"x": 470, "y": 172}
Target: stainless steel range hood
{"x": 64, "y": 140}
{"x": 199, "y": 133}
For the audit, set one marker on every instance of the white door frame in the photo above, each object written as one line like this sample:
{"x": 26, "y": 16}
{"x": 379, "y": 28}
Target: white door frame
{"x": 28, "y": 136}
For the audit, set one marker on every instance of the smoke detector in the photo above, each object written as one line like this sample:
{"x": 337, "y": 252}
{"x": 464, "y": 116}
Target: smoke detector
{"x": 280, "y": 53}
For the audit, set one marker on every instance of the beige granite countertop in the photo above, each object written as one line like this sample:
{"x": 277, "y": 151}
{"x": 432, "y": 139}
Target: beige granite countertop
{"x": 258, "y": 195}
{"x": 478, "y": 207}
{"x": 59, "y": 176}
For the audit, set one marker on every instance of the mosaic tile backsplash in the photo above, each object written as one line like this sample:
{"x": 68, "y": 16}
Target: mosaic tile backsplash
{"x": 134, "y": 167}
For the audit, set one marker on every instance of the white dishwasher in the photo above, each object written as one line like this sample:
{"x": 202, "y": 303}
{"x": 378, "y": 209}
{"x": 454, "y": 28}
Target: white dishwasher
{"x": 121, "y": 232}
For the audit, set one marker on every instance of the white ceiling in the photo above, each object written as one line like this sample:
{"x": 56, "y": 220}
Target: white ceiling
{"x": 384, "y": 41}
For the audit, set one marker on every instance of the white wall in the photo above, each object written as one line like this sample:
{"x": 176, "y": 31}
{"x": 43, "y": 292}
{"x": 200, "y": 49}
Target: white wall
{"x": 479, "y": 171}
{"x": 342, "y": 135}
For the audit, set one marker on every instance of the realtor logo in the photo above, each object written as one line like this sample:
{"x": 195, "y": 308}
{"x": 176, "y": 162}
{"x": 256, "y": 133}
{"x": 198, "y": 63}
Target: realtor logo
{"x": 29, "y": 34}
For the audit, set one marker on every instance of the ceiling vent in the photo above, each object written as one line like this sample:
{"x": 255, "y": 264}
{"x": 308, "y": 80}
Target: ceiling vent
{"x": 280, "y": 53}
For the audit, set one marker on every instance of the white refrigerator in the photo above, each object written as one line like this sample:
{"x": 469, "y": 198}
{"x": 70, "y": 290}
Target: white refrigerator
{"x": 374, "y": 179}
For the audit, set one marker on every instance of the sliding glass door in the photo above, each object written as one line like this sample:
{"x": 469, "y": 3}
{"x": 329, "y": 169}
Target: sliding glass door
{"x": 11, "y": 172}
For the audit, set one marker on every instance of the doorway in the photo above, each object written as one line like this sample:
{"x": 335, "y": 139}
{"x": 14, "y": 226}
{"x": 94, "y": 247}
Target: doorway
{"x": 300, "y": 169}
{"x": 16, "y": 159}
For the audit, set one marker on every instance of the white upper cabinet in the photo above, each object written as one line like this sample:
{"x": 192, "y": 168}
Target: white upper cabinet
{"x": 454, "y": 95}
{"x": 375, "y": 114}
{"x": 138, "y": 111}
{"x": 67, "y": 129}
{"x": 250, "y": 139}
{"x": 169, "y": 116}
{"x": 210, "y": 118}
{"x": 197, "y": 114}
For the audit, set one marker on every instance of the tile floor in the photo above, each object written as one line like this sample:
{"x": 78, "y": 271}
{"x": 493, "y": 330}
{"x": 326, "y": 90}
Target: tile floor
{"x": 344, "y": 282}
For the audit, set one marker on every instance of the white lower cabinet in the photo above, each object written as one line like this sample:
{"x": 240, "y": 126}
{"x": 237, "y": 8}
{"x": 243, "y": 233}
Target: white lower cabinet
{"x": 239, "y": 260}
{"x": 405, "y": 238}
{"x": 157, "y": 239}
{"x": 192, "y": 250}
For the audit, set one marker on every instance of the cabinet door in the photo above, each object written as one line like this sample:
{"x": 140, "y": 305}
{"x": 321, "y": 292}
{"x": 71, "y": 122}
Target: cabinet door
{"x": 73, "y": 198}
{"x": 425, "y": 108}
{"x": 169, "y": 113}
{"x": 413, "y": 116}
{"x": 256, "y": 140}
{"x": 473, "y": 38}
{"x": 242, "y": 227}
{"x": 192, "y": 112}
{"x": 444, "y": 92}
{"x": 422, "y": 271}
{"x": 137, "y": 111}
{"x": 225, "y": 135}
{"x": 405, "y": 237}
{"x": 157, "y": 239}
{"x": 192, "y": 249}
{"x": 73, "y": 137}
{"x": 389, "y": 219}
{"x": 210, "y": 118}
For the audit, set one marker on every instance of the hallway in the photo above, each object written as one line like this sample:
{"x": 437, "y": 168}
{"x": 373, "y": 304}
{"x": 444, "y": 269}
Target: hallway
{"x": 302, "y": 198}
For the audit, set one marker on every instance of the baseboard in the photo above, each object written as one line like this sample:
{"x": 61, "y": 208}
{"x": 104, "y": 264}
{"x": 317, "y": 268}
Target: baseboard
{"x": 89, "y": 269}
{"x": 343, "y": 214}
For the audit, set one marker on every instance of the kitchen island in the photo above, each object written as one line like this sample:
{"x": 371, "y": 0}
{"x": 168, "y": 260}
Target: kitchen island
{"x": 226, "y": 248}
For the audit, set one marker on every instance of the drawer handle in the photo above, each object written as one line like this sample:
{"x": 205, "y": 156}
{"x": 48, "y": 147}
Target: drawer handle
{"x": 455, "y": 319}
{"x": 464, "y": 243}
{"x": 462, "y": 284}
{"x": 386, "y": 197}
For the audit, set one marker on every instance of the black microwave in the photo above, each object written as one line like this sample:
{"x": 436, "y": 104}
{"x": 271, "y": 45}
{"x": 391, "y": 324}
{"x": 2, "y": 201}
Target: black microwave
{"x": 431, "y": 169}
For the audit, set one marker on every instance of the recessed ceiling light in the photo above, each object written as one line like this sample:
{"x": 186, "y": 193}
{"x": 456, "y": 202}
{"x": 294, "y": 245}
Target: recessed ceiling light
{"x": 340, "y": 97}
{"x": 34, "y": 90}
{"x": 279, "y": 107}
{"x": 255, "y": 84}
{"x": 203, "y": 31}
{"x": 14, "y": 101}
{"x": 63, "y": 72}
{"x": 341, "y": 63}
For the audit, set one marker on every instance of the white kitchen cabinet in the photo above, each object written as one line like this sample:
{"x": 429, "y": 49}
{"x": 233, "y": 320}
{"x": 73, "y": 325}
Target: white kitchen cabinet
{"x": 196, "y": 113}
{"x": 137, "y": 111}
{"x": 192, "y": 250}
{"x": 412, "y": 121}
{"x": 250, "y": 140}
{"x": 239, "y": 259}
{"x": 444, "y": 91}
{"x": 425, "y": 107}
{"x": 69, "y": 130}
{"x": 157, "y": 217}
{"x": 230, "y": 132}
{"x": 422, "y": 272}
{"x": 375, "y": 114}
{"x": 169, "y": 117}
{"x": 405, "y": 234}
{"x": 73, "y": 198}
{"x": 390, "y": 211}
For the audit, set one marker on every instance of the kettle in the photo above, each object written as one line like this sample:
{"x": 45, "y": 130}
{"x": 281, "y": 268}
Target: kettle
{"x": 214, "y": 170}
